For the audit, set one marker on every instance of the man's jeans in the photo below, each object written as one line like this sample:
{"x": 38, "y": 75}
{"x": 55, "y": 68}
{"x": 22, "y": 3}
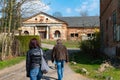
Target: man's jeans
{"x": 60, "y": 69}
{"x": 35, "y": 74}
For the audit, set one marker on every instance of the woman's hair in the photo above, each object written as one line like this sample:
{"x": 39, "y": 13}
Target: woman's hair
{"x": 33, "y": 43}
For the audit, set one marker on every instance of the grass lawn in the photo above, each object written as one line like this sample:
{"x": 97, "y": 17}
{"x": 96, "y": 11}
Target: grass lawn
{"x": 10, "y": 62}
{"x": 13, "y": 61}
{"x": 87, "y": 62}
{"x": 91, "y": 65}
{"x": 68, "y": 44}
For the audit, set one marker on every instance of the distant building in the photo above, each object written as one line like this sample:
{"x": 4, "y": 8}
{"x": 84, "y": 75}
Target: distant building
{"x": 110, "y": 27}
{"x": 66, "y": 28}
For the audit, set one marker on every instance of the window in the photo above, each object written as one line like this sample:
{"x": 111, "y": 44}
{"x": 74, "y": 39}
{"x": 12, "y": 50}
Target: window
{"x": 119, "y": 4}
{"x": 93, "y": 34}
{"x": 35, "y": 19}
{"x": 114, "y": 18}
{"x": 74, "y": 34}
{"x": 115, "y": 28}
{"x": 114, "y": 33}
{"x": 118, "y": 33}
{"x": 57, "y": 34}
{"x": 102, "y": 34}
{"x": 26, "y": 32}
{"x": 90, "y": 35}
{"x": 107, "y": 24}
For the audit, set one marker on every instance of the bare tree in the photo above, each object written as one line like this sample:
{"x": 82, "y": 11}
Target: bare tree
{"x": 57, "y": 14}
{"x": 9, "y": 8}
{"x": 84, "y": 13}
{"x": 12, "y": 12}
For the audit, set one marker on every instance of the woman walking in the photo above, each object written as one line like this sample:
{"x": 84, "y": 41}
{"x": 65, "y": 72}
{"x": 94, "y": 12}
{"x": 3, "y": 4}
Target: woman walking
{"x": 33, "y": 60}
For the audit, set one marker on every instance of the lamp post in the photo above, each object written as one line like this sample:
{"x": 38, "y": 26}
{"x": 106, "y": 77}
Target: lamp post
{"x": 47, "y": 36}
{"x": 35, "y": 25}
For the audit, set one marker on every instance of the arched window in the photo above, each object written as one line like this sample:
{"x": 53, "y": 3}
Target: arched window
{"x": 57, "y": 34}
{"x": 26, "y": 32}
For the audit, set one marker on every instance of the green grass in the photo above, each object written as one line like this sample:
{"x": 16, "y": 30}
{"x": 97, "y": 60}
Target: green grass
{"x": 87, "y": 62}
{"x": 68, "y": 44}
{"x": 13, "y": 61}
{"x": 10, "y": 62}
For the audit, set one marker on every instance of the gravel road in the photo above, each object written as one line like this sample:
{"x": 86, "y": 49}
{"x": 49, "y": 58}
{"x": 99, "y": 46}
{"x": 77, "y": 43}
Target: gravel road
{"x": 17, "y": 72}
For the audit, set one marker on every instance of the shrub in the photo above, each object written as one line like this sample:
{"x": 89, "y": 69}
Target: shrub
{"x": 91, "y": 46}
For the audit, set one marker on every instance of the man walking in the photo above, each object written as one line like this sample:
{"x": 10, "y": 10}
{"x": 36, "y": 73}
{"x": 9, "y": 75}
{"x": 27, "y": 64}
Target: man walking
{"x": 60, "y": 56}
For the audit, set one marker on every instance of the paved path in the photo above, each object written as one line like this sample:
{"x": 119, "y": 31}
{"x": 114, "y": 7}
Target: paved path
{"x": 68, "y": 74}
{"x": 17, "y": 72}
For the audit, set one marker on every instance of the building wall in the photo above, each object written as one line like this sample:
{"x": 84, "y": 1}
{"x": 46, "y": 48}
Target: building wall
{"x": 51, "y": 32}
{"x": 80, "y": 31}
{"x": 30, "y": 30}
{"x": 62, "y": 29}
{"x": 50, "y": 25}
{"x": 46, "y": 26}
{"x": 107, "y": 9}
{"x": 106, "y": 14}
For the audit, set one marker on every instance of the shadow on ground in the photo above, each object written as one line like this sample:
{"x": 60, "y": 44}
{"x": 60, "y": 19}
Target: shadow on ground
{"x": 48, "y": 78}
{"x": 70, "y": 51}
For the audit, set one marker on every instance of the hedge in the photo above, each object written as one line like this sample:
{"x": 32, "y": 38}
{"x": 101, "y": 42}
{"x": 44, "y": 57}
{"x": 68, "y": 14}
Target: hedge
{"x": 24, "y": 42}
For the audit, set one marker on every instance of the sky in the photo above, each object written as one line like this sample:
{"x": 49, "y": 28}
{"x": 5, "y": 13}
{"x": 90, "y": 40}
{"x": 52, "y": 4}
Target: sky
{"x": 73, "y": 7}
{"x": 65, "y": 7}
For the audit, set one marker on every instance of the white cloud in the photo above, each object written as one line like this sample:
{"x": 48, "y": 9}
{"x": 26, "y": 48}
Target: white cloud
{"x": 83, "y": 7}
{"x": 34, "y": 6}
{"x": 89, "y": 5}
{"x": 93, "y": 6}
{"x": 68, "y": 10}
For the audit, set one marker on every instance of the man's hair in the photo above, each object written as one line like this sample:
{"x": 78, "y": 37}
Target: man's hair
{"x": 59, "y": 41}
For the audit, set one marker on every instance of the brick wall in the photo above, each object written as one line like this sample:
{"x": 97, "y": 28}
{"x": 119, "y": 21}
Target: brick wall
{"x": 80, "y": 31}
{"x": 107, "y": 8}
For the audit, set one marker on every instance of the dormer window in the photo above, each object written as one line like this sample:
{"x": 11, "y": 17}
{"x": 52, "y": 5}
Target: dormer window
{"x": 36, "y": 19}
{"x": 46, "y": 19}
